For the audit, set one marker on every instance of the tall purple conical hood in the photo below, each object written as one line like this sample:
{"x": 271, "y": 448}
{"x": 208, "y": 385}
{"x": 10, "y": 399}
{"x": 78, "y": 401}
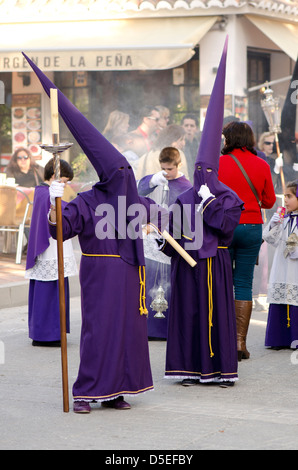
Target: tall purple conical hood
{"x": 209, "y": 149}
{"x": 116, "y": 177}
{"x": 104, "y": 157}
{"x": 223, "y": 198}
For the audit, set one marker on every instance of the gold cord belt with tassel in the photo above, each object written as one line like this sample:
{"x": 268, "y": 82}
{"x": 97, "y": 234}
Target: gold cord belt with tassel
{"x": 210, "y": 297}
{"x": 142, "y": 277}
{"x": 288, "y": 316}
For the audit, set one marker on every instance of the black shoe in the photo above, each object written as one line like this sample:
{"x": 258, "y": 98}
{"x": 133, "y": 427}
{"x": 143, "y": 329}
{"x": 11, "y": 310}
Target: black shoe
{"x": 189, "y": 382}
{"x": 226, "y": 384}
{"x": 52, "y": 344}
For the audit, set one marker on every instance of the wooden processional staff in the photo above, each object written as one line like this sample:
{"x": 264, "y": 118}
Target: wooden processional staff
{"x": 56, "y": 148}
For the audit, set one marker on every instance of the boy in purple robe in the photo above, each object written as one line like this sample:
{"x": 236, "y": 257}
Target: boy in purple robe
{"x": 42, "y": 265}
{"x": 201, "y": 344}
{"x": 163, "y": 187}
{"x": 114, "y": 354}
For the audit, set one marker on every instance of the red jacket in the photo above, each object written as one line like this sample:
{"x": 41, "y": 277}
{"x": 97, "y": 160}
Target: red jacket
{"x": 260, "y": 175}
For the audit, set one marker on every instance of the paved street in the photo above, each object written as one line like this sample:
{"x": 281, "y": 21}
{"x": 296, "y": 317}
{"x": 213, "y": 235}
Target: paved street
{"x": 259, "y": 412}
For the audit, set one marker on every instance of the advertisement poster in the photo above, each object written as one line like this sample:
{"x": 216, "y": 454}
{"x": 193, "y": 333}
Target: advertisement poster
{"x": 26, "y": 123}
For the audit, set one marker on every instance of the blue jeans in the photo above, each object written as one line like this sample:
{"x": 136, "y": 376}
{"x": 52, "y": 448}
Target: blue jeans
{"x": 244, "y": 251}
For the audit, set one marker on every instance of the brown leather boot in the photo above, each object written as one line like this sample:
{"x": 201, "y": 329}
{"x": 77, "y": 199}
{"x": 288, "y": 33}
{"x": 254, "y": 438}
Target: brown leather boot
{"x": 243, "y": 310}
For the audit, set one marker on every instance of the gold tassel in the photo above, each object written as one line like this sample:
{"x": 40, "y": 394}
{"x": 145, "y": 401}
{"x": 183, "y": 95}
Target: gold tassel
{"x": 209, "y": 280}
{"x": 142, "y": 308}
{"x": 288, "y": 316}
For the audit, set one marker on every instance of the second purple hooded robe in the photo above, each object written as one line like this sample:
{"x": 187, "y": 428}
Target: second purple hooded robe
{"x": 201, "y": 340}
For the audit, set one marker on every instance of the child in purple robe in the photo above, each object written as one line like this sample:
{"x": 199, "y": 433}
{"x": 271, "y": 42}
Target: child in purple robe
{"x": 201, "y": 344}
{"x": 163, "y": 187}
{"x": 42, "y": 265}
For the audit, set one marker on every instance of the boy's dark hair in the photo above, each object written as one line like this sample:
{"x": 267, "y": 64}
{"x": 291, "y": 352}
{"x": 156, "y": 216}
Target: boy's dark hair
{"x": 170, "y": 155}
{"x": 190, "y": 116}
{"x": 65, "y": 170}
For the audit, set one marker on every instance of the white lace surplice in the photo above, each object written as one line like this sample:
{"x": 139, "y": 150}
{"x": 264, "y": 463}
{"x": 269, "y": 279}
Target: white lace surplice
{"x": 46, "y": 265}
{"x": 283, "y": 280}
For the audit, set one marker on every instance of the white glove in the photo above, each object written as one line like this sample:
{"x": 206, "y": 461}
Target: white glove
{"x": 158, "y": 179}
{"x": 295, "y": 166}
{"x": 56, "y": 190}
{"x": 205, "y": 193}
{"x": 278, "y": 164}
{"x": 275, "y": 219}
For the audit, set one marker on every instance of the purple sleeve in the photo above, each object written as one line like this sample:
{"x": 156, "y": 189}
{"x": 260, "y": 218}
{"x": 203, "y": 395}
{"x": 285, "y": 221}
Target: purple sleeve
{"x": 143, "y": 186}
{"x": 72, "y": 220}
{"x": 222, "y": 219}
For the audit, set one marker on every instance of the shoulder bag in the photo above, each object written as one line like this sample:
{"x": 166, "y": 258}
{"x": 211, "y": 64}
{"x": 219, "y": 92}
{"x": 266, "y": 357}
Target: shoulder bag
{"x": 247, "y": 179}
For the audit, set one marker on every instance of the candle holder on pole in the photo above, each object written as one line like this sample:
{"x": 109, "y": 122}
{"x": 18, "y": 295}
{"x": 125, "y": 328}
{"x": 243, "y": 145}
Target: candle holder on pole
{"x": 272, "y": 111}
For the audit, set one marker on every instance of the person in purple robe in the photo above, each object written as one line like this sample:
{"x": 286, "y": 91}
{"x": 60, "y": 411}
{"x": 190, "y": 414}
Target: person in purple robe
{"x": 163, "y": 187}
{"x": 201, "y": 343}
{"x": 108, "y": 219}
{"x": 42, "y": 265}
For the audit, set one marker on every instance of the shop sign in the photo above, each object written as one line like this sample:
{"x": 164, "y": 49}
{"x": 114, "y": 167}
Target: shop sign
{"x": 137, "y": 58}
{"x": 82, "y": 60}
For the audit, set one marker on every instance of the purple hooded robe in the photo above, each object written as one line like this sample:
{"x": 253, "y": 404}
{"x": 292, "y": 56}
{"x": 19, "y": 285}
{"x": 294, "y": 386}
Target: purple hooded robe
{"x": 202, "y": 327}
{"x": 114, "y": 355}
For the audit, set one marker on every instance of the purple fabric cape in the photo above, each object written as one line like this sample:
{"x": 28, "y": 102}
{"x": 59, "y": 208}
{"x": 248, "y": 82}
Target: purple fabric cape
{"x": 39, "y": 228}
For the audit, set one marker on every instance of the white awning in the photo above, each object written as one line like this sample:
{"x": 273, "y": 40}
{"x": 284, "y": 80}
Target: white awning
{"x": 285, "y": 35}
{"x": 126, "y": 44}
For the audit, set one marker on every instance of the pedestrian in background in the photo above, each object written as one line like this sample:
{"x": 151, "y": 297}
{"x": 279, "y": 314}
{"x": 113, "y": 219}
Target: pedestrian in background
{"x": 239, "y": 147}
{"x": 190, "y": 124}
{"x": 117, "y": 124}
{"x": 24, "y": 169}
{"x": 172, "y": 136}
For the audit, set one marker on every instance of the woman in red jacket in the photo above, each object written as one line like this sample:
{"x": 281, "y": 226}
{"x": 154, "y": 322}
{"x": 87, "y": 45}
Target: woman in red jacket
{"x": 244, "y": 250}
